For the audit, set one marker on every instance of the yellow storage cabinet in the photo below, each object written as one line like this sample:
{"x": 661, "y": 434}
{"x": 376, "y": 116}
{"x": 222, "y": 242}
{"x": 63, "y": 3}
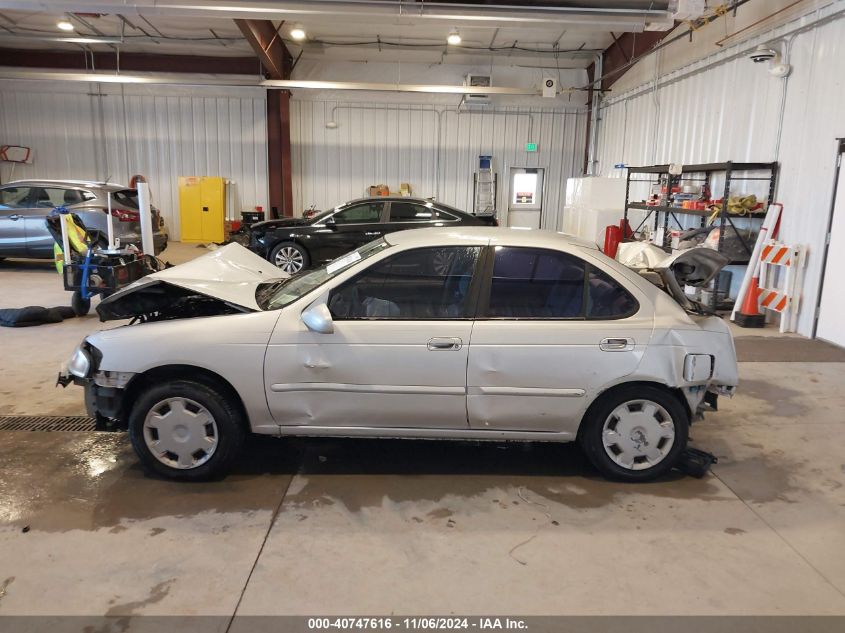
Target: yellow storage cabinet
{"x": 202, "y": 208}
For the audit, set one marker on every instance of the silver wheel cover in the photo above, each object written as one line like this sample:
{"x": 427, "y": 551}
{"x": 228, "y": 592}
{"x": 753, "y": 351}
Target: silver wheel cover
{"x": 638, "y": 434}
{"x": 180, "y": 433}
{"x": 289, "y": 259}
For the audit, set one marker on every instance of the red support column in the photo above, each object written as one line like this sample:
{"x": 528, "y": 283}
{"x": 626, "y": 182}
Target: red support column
{"x": 278, "y": 153}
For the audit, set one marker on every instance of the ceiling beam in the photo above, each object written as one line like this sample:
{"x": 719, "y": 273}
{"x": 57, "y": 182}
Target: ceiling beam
{"x": 612, "y": 15}
{"x": 267, "y": 43}
{"x": 139, "y": 62}
{"x": 626, "y": 47}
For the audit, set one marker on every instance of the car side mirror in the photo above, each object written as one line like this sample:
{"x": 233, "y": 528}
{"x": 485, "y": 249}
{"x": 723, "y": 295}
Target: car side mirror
{"x": 317, "y": 318}
{"x": 331, "y": 224}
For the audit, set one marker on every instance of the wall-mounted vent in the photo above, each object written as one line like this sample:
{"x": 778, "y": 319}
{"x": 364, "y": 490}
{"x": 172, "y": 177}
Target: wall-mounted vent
{"x": 481, "y": 82}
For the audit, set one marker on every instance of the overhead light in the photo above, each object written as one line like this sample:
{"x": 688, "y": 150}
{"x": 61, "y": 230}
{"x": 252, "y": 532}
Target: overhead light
{"x": 454, "y": 38}
{"x": 64, "y": 25}
{"x": 297, "y": 33}
{"x": 332, "y": 125}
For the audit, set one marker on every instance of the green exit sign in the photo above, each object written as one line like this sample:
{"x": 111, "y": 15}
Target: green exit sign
{"x": 531, "y": 147}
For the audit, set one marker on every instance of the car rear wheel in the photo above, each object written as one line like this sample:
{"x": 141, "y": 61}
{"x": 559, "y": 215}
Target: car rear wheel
{"x": 185, "y": 430}
{"x": 290, "y": 257}
{"x": 635, "y": 433}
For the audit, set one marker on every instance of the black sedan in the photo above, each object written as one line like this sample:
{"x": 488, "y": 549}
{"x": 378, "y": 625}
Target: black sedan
{"x": 293, "y": 244}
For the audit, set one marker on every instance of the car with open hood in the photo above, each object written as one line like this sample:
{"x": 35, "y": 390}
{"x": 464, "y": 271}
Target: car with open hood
{"x": 468, "y": 333}
{"x": 296, "y": 244}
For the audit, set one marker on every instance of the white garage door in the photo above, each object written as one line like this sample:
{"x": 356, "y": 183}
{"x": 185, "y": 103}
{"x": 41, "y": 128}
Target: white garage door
{"x": 831, "y": 322}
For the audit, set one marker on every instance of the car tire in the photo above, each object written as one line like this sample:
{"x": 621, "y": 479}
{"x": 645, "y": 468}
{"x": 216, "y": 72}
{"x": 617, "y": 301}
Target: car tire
{"x": 200, "y": 442}
{"x": 290, "y": 257}
{"x": 635, "y": 432}
{"x": 80, "y": 306}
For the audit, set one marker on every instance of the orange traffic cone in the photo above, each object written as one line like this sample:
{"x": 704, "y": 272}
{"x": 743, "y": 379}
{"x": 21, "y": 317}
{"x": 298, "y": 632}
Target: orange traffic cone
{"x": 749, "y": 315}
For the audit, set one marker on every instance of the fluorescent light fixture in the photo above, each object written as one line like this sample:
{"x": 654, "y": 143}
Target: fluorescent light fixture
{"x": 297, "y": 32}
{"x": 64, "y": 25}
{"x": 454, "y": 38}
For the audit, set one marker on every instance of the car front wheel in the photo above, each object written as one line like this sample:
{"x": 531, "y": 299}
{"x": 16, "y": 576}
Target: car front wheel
{"x": 290, "y": 257}
{"x": 185, "y": 430}
{"x": 635, "y": 433}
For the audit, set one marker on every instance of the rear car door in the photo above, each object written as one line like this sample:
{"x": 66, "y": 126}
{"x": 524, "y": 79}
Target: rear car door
{"x": 39, "y": 242}
{"x": 347, "y": 229}
{"x": 398, "y": 354}
{"x": 14, "y": 201}
{"x": 404, "y": 215}
{"x": 552, "y": 331}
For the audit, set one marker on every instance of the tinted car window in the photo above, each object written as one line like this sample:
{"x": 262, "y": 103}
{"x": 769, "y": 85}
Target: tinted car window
{"x": 444, "y": 216}
{"x": 14, "y": 197}
{"x": 126, "y": 198}
{"x": 536, "y": 283}
{"x": 359, "y": 213}
{"x": 410, "y": 212}
{"x": 425, "y": 283}
{"x": 51, "y": 197}
{"x": 607, "y": 299}
{"x": 76, "y": 196}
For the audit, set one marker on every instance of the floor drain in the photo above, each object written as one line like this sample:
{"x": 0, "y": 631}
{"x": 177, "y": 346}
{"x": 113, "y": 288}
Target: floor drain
{"x": 46, "y": 423}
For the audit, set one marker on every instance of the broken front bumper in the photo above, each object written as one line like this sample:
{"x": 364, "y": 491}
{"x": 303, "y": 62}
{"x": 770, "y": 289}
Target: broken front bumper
{"x": 104, "y": 393}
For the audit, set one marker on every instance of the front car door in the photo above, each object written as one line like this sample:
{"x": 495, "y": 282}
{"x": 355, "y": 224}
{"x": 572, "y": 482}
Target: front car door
{"x": 14, "y": 204}
{"x": 553, "y": 329}
{"x": 347, "y": 229}
{"x": 398, "y": 353}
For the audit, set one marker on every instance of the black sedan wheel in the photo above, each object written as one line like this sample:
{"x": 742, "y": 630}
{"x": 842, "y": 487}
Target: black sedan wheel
{"x": 290, "y": 257}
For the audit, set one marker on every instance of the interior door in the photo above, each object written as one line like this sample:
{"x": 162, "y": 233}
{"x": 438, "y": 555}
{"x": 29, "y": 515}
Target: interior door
{"x": 13, "y": 206}
{"x": 348, "y": 229}
{"x": 831, "y": 326}
{"x": 398, "y": 353}
{"x": 525, "y": 197}
{"x": 553, "y": 331}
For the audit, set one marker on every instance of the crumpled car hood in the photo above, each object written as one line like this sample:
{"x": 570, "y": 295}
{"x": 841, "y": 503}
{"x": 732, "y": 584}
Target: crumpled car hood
{"x": 230, "y": 273}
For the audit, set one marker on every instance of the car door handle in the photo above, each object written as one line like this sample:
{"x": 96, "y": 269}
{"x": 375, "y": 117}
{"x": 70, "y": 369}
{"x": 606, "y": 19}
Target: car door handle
{"x": 443, "y": 344}
{"x": 15, "y": 217}
{"x": 617, "y": 344}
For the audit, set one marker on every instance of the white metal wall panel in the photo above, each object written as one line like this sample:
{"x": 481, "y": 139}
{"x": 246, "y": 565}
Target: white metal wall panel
{"x": 731, "y": 111}
{"x": 394, "y": 143}
{"x": 187, "y": 132}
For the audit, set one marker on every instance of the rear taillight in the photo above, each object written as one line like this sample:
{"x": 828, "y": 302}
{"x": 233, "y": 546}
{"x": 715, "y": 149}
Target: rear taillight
{"x": 124, "y": 215}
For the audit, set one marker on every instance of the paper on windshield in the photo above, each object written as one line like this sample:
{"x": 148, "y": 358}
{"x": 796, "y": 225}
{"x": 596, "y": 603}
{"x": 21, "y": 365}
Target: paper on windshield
{"x": 343, "y": 262}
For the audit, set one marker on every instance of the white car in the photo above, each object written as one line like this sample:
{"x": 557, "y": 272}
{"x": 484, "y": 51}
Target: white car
{"x": 472, "y": 333}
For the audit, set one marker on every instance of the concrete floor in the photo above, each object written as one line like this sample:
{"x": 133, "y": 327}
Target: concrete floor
{"x": 376, "y": 527}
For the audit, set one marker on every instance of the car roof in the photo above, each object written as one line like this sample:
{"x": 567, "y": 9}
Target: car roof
{"x": 111, "y": 186}
{"x": 486, "y": 234}
{"x": 400, "y": 199}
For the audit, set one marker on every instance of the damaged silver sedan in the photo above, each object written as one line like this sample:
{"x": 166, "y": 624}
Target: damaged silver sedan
{"x": 471, "y": 333}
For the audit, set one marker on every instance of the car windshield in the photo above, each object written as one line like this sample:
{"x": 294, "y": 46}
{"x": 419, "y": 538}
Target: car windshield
{"x": 278, "y": 294}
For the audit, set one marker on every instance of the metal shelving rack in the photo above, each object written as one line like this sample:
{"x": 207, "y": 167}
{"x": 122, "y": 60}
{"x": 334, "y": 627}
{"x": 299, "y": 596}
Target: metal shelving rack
{"x": 700, "y": 173}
